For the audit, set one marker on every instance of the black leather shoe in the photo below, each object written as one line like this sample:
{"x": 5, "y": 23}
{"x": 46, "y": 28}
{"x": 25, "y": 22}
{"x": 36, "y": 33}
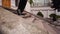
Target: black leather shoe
{"x": 22, "y": 14}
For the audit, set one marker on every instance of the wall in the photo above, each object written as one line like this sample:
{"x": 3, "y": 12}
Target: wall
{"x": 0, "y": 2}
{"x": 41, "y": 2}
{"x": 12, "y": 3}
{"x": 46, "y": 11}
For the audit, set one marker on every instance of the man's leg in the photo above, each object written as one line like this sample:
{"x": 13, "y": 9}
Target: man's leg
{"x": 16, "y": 1}
{"x": 21, "y": 6}
{"x": 18, "y": 12}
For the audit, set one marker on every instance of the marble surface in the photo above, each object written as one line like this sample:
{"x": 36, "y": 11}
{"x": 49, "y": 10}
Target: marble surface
{"x": 13, "y": 24}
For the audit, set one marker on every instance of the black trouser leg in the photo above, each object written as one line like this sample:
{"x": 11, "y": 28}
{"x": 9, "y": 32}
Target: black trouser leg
{"x": 18, "y": 12}
{"x": 21, "y": 6}
{"x": 16, "y": 1}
